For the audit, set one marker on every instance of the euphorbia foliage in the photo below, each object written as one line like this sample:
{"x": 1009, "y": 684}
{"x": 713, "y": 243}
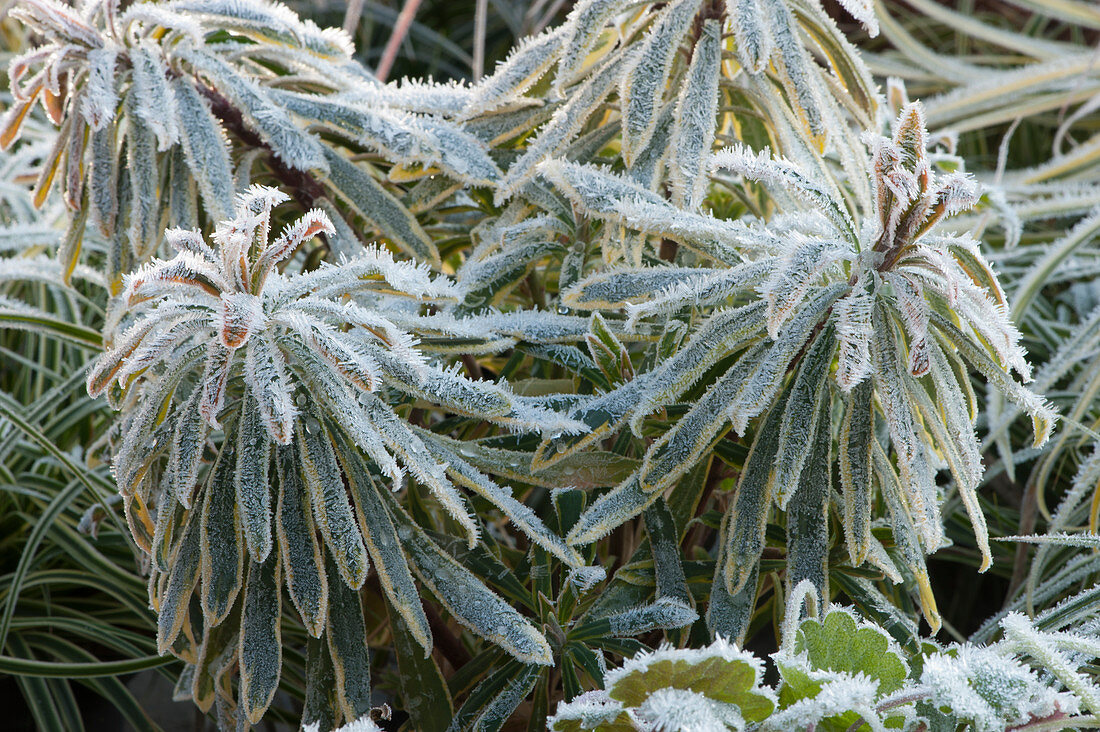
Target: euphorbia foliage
{"x": 668, "y": 296}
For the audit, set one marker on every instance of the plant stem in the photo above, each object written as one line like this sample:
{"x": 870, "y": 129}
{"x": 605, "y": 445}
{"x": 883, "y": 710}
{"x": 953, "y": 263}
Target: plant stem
{"x": 481, "y": 12}
{"x": 400, "y": 30}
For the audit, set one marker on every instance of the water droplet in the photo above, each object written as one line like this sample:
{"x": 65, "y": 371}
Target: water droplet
{"x": 300, "y": 400}
{"x": 562, "y": 310}
{"x": 312, "y": 426}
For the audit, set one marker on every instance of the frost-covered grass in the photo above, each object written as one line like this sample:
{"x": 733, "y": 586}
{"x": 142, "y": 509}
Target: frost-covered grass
{"x": 541, "y": 398}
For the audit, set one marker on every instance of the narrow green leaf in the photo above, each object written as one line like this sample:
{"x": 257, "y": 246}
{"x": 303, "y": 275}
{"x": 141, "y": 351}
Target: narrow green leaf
{"x": 646, "y": 78}
{"x": 331, "y": 511}
{"x": 385, "y": 549}
{"x": 466, "y": 598}
{"x": 664, "y": 540}
{"x": 301, "y": 554}
{"x": 802, "y": 416}
{"x": 347, "y": 646}
{"x": 321, "y": 703}
{"x": 222, "y": 546}
{"x": 856, "y": 433}
{"x": 251, "y": 481}
{"x": 808, "y": 510}
{"x": 696, "y": 110}
{"x": 370, "y": 200}
{"x": 181, "y": 582}
{"x": 422, "y": 684}
{"x": 205, "y": 149}
{"x": 261, "y": 647}
{"x": 744, "y": 532}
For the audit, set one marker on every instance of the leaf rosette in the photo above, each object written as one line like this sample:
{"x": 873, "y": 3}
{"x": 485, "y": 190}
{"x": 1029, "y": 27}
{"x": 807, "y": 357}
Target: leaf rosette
{"x": 257, "y": 438}
{"x": 845, "y": 303}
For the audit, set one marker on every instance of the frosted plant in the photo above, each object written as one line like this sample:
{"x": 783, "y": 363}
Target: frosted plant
{"x": 363, "y": 724}
{"x": 839, "y": 673}
{"x": 291, "y": 429}
{"x": 904, "y": 310}
{"x": 256, "y": 440}
{"x": 668, "y": 102}
{"x": 210, "y": 95}
{"x": 713, "y": 688}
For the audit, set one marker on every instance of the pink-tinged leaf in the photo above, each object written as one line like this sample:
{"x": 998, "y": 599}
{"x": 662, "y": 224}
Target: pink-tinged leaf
{"x": 215, "y": 377}
{"x": 240, "y": 314}
{"x": 313, "y": 223}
